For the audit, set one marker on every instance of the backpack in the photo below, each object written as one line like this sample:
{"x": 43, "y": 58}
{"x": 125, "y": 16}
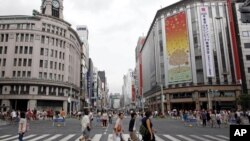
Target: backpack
{"x": 143, "y": 130}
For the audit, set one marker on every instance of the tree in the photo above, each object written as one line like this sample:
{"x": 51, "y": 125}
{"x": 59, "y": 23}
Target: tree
{"x": 244, "y": 101}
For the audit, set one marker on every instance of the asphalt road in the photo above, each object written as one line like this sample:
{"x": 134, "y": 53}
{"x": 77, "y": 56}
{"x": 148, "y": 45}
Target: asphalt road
{"x": 166, "y": 130}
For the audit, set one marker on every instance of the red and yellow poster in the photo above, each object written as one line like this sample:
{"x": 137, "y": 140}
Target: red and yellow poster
{"x": 177, "y": 44}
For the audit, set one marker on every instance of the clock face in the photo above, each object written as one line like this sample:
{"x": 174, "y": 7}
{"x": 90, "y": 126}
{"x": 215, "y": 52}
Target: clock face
{"x": 55, "y": 4}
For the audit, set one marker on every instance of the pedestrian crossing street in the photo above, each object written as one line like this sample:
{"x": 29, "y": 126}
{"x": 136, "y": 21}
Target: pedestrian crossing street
{"x": 109, "y": 137}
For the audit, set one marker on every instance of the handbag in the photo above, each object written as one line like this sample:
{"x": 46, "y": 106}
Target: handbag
{"x": 143, "y": 130}
{"x": 88, "y": 128}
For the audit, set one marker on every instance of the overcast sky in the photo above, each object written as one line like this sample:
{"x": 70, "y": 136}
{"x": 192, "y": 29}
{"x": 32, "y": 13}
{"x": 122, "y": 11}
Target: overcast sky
{"x": 114, "y": 27}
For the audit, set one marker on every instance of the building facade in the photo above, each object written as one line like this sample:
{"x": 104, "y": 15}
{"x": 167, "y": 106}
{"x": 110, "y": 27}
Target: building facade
{"x": 189, "y": 50}
{"x": 40, "y": 59}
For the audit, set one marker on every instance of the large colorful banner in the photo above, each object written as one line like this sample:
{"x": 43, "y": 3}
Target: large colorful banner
{"x": 206, "y": 41}
{"x": 177, "y": 44}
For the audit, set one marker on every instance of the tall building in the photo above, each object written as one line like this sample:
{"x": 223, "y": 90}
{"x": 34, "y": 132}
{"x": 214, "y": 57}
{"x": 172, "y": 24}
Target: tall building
{"x": 82, "y": 32}
{"x": 128, "y": 90}
{"x": 190, "y": 50}
{"x": 40, "y": 58}
{"x": 241, "y": 18}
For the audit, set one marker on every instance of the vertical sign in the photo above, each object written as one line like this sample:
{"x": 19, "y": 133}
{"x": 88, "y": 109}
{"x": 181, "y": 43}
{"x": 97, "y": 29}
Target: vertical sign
{"x": 206, "y": 41}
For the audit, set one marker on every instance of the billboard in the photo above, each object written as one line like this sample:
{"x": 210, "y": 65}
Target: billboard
{"x": 206, "y": 41}
{"x": 177, "y": 46}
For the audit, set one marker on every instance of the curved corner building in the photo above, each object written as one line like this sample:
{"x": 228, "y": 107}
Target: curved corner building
{"x": 190, "y": 50}
{"x": 39, "y": 60}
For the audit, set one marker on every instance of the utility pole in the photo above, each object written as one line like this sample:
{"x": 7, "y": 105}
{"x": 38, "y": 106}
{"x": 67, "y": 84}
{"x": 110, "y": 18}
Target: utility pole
{"x": 162, "y": 101}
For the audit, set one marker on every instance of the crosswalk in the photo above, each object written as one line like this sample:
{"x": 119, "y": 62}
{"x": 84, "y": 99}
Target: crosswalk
{"x": 109, "y": 137}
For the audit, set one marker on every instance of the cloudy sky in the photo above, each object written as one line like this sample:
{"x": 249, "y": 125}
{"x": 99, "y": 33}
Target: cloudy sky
{"x": 114, "y": 27}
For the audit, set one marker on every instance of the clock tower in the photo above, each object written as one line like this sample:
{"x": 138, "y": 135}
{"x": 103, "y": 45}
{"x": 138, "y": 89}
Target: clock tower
{"x": 53, "y": 8}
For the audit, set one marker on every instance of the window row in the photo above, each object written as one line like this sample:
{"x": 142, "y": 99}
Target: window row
{"x": 19, "y": 89}
{"x": 4, "y": 37}
{"x": 53, "y": 53}
{"x": 21, "y": 74}
{"x": 53, "y": 29}
{"x": 3, "y": 62}
{"x": 51, "y": 90}
{"x": 22, "y": 37}
{"x": 23, "y": 50}
{"x": 26, "y": 26}
{"x": 3, "y": 50}
{"x": 3, "y": 74}
{"x": 22, "y": 62}
{"x": 44, "y": 64}
{"x": 51, "y": 76}
{"x": 53, "y": 41}
{"x": 4, "y": 26}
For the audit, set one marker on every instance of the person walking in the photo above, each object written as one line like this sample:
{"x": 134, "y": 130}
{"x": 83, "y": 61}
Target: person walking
{"x": 218, "y": 118}
{"x": 132, "y": 128}
{"x": 104, "y": 119}
{"x": 118, "y": 128}
{"x": 146, "y": 122}
{"x": 22, "y": 126}
{"x": 85, "y": 122}
{"x": 204, "y": 118}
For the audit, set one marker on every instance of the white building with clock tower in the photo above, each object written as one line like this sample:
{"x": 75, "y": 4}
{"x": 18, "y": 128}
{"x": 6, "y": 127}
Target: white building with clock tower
{"x": 40, "y": 57}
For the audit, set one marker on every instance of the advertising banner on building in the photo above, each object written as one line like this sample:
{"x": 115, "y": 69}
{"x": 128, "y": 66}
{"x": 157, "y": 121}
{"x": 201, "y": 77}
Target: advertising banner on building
{"x": 177, "y": 46}
{"x": 205, "y": 27}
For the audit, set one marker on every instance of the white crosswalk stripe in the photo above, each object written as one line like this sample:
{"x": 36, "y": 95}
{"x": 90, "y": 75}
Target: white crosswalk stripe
{"x": 171, "y": 138}
{"x": 157, "y": 138}
{"x": 214, "y": 138}
{"x": 10, "y": 138}
{"x": 39, "y": 137}
{"x": 97, "y": 137}
{"x": 4, "y": 136}
{"x": 199, "y": 138}
{"x": 224, "y": 137}
{"x": 186, "y": 138}
{"x": 68, "y": 137}
{"x": 53, "y": 137}
{"x": 109, "y": 137}
{"x": 27, "y": 137}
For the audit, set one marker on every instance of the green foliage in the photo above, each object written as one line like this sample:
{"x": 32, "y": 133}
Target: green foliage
{"x": 244, "y": 101}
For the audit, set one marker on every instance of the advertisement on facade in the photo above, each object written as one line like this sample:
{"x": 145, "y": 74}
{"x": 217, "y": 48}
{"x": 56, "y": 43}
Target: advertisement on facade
{"x": 206, "y": 41}
{"x": 177, "y": 46}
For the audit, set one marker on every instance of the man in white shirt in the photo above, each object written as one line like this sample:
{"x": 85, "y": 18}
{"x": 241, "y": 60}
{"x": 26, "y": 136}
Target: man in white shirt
{"x": 85, "y": 122}
{"x": 13, "y": 116}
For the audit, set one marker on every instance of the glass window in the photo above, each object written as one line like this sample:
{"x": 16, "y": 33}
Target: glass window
{"x": 19, "y": 74}
{"x": 63, "y": 56}
{"x": 15, "y": 61}
{"x": 56, "y": 53}
{"x": 14, "y": 74}
{"x": 3, "y": 73}
{"x": 26, "y": 50}
{"x": 21, "y": 50}
{"x": 247, "y": 45}
{"x": 24, "y": 62}
{"x": 50, "y": 76}
{"x": 41, "y": 63}
{"x": 17, "y": 37}
{"x": 6, "y": 37}
{"x": 22, "y": 37}
{"x": 31, "y": 37}
{"x": 4, "y": 62}
{"x": 248, "y": 57}
{"x": 45, "y": 75}
{"x": 59, "y": 66}
{"x": 16, "y": 49}
{"x": 248, "y": 70}
{"x": 1, "y": 50}
{"x": 30, "y": 62}
{"x": 55, "y": 65}
{"x": 54, "y": 76}
{"x": 29, "y": 74}
{"x": 42, "y": 51}
{"x": 40, "y": 75}
{"x": 51, "y": 64}
{"x": 47, "y": 40}
{"x": 52, "y": 52}
{"x": 43, "y": 39}
{"x": 62, "y": 67}
{"x": 0, "y": 61}
{"x": 5, "y": 50}
{"x": 26, "y": 37}
{"x": 31, "y": 50}
{"x": 46, "y": 64}
{"x": 46, "y": 52}
{"x": 24, "y": 73}
{"x": 19, "y": 62}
